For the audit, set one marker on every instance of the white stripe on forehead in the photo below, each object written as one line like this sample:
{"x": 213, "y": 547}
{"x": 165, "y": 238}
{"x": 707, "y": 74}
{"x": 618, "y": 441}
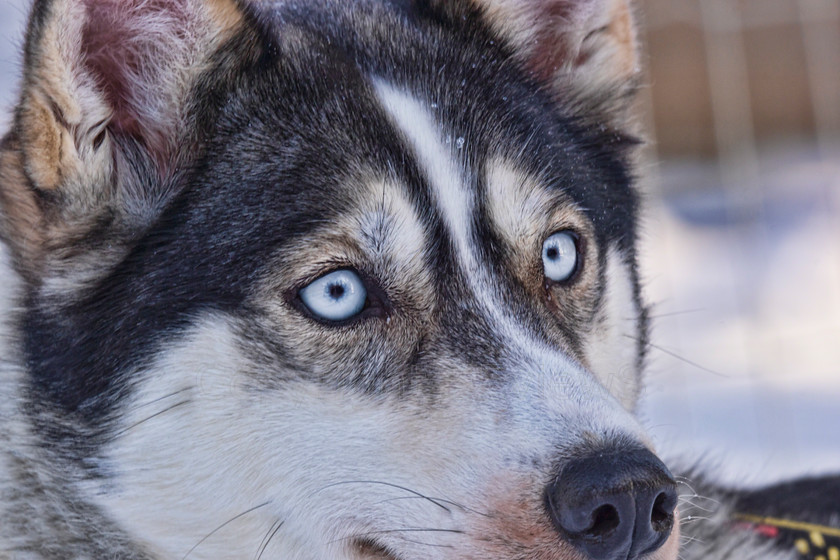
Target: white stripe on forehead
{"x": 444, "y": 174}
{"x": 541, "y": 365}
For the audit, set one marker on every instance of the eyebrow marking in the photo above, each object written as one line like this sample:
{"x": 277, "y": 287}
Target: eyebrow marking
{"x": 390, "y": 228}
{"x": 443, "y": 173}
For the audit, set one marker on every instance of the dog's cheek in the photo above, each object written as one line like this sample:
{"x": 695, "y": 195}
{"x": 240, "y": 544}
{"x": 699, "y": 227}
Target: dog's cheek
{"x": 202, "y": 442}
{"x": 178, "y": 455}
{"x": 613, "y": 348}
{"x": 516, "y": 522}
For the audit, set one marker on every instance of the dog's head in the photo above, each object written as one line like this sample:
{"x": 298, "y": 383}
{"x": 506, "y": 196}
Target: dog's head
{"x": 313, "y": 279}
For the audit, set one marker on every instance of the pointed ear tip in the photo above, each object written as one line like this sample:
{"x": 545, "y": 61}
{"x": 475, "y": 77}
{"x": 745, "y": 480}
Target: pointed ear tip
{"x": 590, "y": 46}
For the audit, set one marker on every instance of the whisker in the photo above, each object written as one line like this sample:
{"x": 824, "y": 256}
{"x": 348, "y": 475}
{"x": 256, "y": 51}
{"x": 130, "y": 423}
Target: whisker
{"x": 222, "y": 526}
{"x": 272, "y": 531}
{"x": 686, "y": 539}
{"x": 403, "y": 488}
{"x": 392, "y": 531}
{"x": 693, "y": 519}
{"x": 678, "y": 357}
{"x": 689, "y": 500}
{"x": 676, "y": 313}
{"x": 441, "y": 500}
{"x": 163, "y": 398}
{"x": 421, "y": 543}
{"x": 155, "y": 415}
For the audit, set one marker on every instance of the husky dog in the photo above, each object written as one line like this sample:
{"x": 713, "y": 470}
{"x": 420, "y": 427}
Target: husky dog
{"x": 313, "y": 279}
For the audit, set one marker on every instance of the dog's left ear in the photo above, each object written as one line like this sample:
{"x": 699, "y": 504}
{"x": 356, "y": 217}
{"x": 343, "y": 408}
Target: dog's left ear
{"x": 586, "y": 50}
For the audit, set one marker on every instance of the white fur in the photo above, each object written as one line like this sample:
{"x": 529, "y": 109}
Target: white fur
{"x": 517, "y": 202}
{"x": 306, "y": 454}
{"x": 303, "y": 451}
{"x": 612, "y": 346}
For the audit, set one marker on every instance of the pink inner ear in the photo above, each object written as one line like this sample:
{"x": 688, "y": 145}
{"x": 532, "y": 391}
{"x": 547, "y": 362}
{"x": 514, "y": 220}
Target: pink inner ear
{"x": 558, "y": 27}
{"x": 132, "y": 48}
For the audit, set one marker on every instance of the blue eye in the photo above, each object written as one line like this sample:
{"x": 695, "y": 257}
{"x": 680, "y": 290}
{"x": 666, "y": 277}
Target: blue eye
{"x": 336, "y": 296}
{"x": 560, "y": 256}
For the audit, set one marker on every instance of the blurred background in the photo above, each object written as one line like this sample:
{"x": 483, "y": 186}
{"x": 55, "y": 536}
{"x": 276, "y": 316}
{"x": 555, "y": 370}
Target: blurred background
{"x": 741, "y": 247}
{"x": 742, "y": 239}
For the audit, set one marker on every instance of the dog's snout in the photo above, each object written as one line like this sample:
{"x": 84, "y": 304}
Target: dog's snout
{"x": 614, "y": 504}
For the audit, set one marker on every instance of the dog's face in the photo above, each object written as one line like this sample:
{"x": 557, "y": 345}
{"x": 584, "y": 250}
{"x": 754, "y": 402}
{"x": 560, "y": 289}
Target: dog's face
{"x": 337, "y": 279}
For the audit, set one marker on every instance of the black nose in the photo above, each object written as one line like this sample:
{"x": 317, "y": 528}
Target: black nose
{"x": 614, "y": 504}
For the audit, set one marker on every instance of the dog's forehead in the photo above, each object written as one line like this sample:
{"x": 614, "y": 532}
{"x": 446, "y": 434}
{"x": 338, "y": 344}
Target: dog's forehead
{"x": 399, "y": 174}
{"x": 324, "y": 104}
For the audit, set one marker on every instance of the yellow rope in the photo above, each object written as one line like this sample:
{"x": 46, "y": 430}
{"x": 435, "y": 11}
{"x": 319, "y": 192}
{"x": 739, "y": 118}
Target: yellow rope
{"x": 787, "y": 524}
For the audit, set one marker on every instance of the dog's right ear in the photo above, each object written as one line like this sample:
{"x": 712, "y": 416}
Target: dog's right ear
{"x": 586, "y": 52}
{"x": 101, "y": 121}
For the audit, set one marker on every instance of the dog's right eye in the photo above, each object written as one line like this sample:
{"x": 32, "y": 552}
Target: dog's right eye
{"x": 560, "y": 256}
{"x": 337, "y": 296}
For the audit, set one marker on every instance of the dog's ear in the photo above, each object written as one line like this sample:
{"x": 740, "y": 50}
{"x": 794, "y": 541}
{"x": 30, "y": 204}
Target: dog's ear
{"x": 101, "y": 120}
{"x": 586, "y": 50}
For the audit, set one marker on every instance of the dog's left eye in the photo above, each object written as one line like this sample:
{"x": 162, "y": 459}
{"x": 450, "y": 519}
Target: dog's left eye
{"x": 560, "y": 256}
{"x": 336, "y": 296}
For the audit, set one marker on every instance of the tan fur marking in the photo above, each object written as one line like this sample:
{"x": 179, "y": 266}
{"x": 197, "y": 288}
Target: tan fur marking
{"x": 57, "y": 103}
{"x": 20, "y": 218}
{"x": 42, "y": 137}
{"x": 516, "y": 522}
{"x": 525, "y": 213}
{"x": 226, "y": 16}
{"x": 523, "y": 209}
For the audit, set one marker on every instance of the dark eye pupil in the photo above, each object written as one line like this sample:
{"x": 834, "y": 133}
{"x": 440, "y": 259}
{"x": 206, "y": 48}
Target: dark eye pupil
{"x": 552, "y": 253}
{"x": 336, "y": 291}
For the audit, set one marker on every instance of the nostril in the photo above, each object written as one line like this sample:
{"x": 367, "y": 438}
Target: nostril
{"x": 605, "y": 520}
{"x": 657, "y": 505}
{"x": 662, "y": 514}
{"x": 599, "y": 519}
